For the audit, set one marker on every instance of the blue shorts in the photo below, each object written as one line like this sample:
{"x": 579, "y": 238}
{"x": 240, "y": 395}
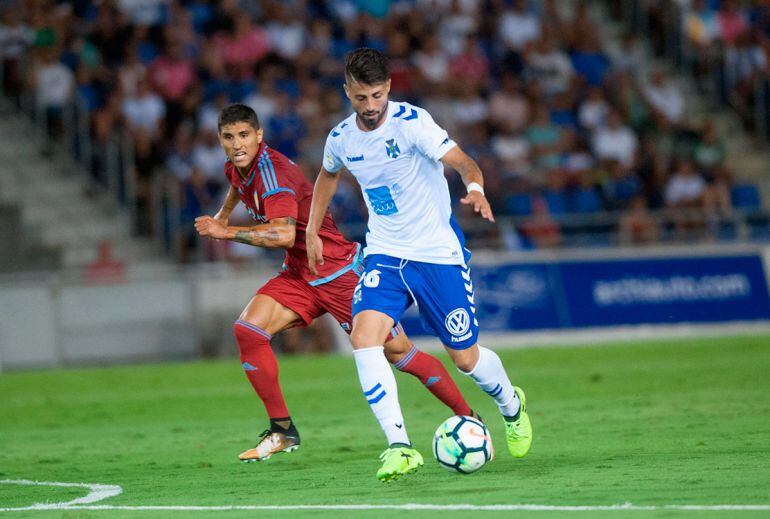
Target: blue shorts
{"x": 443, "y": 293}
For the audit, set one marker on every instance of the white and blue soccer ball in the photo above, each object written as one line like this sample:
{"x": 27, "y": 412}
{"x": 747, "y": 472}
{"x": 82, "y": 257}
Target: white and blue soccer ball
{"x": 462, "y": 444}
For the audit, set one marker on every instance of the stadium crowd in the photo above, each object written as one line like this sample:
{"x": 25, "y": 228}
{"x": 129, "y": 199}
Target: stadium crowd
{"x": 560, "y": 121}
{"x": 725, "y": 42}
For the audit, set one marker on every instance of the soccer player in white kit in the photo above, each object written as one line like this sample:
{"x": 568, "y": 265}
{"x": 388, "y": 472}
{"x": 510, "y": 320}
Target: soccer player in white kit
{"x": 415, "y": 250}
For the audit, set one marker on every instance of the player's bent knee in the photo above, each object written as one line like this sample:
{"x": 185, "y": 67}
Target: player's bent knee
{"x": 370, "y": 328}
{"x": 394, "y": 356}
{"x": 466, "y": 359}
{"x": 268, "y": 314}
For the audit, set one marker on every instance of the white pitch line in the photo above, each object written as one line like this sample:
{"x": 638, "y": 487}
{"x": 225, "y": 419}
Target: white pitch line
{"x": 98, "y": 492}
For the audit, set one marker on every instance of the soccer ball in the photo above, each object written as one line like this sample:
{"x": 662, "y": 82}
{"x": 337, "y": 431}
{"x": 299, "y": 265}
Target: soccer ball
{"x": 462, "y": 444}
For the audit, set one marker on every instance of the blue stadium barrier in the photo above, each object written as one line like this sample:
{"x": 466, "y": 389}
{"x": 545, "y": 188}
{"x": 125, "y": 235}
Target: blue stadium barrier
{"x": 611, "y": 292}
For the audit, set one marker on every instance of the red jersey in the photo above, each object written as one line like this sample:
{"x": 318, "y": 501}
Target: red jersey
{"x": 276, "y": 188}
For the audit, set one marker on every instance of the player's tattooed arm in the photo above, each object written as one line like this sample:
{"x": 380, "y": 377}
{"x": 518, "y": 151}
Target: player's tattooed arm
{"x": 277, "y": 233}
{"x": 472, "y": 177}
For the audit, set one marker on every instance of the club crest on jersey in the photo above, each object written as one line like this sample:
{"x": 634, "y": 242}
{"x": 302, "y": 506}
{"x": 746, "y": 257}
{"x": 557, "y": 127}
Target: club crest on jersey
{"x": 391, "y": 147}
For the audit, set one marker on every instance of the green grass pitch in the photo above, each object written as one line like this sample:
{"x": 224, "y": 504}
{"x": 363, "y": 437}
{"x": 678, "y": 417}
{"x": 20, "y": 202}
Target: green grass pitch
{"x": 680, "y": 422}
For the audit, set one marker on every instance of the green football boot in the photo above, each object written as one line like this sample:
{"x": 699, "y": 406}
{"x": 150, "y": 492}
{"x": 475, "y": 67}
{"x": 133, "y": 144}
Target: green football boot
{"x": 518, "y": 433}
{"x": 397, "y": 462}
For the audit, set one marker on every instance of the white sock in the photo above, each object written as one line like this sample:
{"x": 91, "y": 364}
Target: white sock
{"x": 381, "y": 392}
{"x": 489, "y": 374}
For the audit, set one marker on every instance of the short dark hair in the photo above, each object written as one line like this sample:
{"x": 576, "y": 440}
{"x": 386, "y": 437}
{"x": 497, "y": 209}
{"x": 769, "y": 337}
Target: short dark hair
{"x": 367, "y": 66}
{"x": 237, "y": 113}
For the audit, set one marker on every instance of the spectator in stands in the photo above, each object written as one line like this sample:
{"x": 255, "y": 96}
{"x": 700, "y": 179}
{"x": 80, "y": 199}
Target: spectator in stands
{"x": 637, "y": 226}
{"x": 717, "y": 201}
{"x": 548, "y": 65}
{"x": 630, "y": 102}
{"x": 732, "y": 21}
{"x": 745, "y": 62}
{"x": 431, "y": 64}
{"x": 265, "y": 97}
{"x": 286, "y": 31}
{"x": 144, "y": 112}
{"x": 621, "y": 186}
{"x": 594, "y": 109}
{"x": 509, "y": 108}
{"x": 710, "y": 151}
{"x": 105, "y": 269}
{"x": 518, "y": 26}
{"x": 402, "y": 76}
{"x": 545, "y": 138}
{"x": 701, "y": 28}
{"x": 685, "y": 187}
{"x": 173, "y": 76}
{"x": 665, "y": 101}
{"x": 512, "y": 149}
{"x": 580, "y": 26}
{"x": 143, "y": 12}
{"x": 701, "y": 25}
{"x": 629, "y": 56}
{"x": 471, "y": 65}
{"x": 469, "y": 107}
{"x": 131, "y": 72}
{"x": 540, "y": 229}
{"x": 285, "y": 127}
{"x": 589, "y": 60}
{"x": 207, "y": 157}
{"x": 196, "y": 197}
{"x": 685, "y": 191}
{"x": 54, "y": 86}
{"x": 15, "y": 39}
{"x": 615, "y": 141}
{"x": 208, "y": 113}
{"x": 243, "y": 46}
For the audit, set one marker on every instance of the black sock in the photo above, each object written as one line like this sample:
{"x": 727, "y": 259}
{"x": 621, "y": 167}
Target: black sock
{"x": 282, "y": 425}
{"x": 514, "y": 417}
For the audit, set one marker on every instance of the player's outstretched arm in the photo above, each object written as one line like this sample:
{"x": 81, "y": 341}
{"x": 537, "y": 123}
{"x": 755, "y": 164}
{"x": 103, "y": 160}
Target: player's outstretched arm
{"x": 473, "y": 179}
{"x": 278, "y": 233}
{"x": 231, "y": 200}
{"x": 323, "y": 191}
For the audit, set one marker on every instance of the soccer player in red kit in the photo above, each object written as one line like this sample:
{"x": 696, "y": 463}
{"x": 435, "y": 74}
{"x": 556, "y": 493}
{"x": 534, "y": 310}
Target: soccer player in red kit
{"x": 277, "y": 195}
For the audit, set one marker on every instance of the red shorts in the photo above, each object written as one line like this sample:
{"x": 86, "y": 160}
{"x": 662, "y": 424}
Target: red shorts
{"x": 335, "y": 297}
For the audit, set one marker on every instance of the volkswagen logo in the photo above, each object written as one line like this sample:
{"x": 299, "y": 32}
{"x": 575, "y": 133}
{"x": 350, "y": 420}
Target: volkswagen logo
{"x": 457, "y": 322}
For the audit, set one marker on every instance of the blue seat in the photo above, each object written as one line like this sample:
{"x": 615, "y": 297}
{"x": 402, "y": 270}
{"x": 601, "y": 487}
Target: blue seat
{"x": 585, "y": 200}
{"x": 745, "y": 196}
{"x": 556, "y": 201}
{"x": 519, "y": 204}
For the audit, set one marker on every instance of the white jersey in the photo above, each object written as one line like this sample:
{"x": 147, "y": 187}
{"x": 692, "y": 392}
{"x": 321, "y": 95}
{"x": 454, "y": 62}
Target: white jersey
{"x": 398, "y": 167}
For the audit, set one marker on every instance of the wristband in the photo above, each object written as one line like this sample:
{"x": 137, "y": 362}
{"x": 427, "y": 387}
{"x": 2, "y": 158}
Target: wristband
{"x": 475, "y": 186}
